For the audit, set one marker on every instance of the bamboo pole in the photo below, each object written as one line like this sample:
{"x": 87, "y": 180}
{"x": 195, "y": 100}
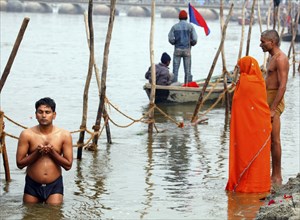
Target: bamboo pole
{"x": 292, "y": 45}
{"x": 269, "y": 15}
{"x": 268, "y": 23}
{"x": 294, "y": 32}
{"x": 264, "y": 65}
{"x": 250, "y": 27}
{"x": 3, "y": 148}
{"x": 275, "y": 15}
{"x": 259, "y": 16}
{"x": 200, "y": 99}
{"x": 13, "y": 52}
{"x": 221, "y": 25}
{"x": 1, "y": 124}
{"x": 88, "y": 41}
{"x": 243, "y": 30}
{"x": 107, "y": 128}
{"x": 235, "y": 71}
{"x": 87, "y": 82}
{"x": 289, "y": 9}
{"x": 153, "y": 71}
{"x": 104, "y": 71}
{"x": 294, "y": 60}
{"x": 226, "y": 95}
{"x": 278, "y": 18}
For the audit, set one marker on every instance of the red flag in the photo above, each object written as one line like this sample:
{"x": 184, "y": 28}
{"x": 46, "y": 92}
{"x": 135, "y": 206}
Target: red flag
{"x": 196, "y": 18}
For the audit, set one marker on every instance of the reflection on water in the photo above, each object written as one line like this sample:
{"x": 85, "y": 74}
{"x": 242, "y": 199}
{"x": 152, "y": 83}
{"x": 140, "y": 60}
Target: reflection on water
{"x": 47, "y": 211}
{"x": 178, "y": 173}
{"x": 149, "y": 183}
{"x": 242, "y": 205}
{"x": 90, "y": 183}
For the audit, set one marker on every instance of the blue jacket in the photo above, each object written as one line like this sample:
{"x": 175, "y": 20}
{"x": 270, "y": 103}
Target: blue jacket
{"x": 182, "y": 35}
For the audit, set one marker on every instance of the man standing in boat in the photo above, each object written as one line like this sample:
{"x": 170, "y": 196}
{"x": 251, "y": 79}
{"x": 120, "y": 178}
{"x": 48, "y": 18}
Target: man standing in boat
{"x": 276, "y": 81}
{"x": 44, "y": 149}
{"x": 183, "y": 36}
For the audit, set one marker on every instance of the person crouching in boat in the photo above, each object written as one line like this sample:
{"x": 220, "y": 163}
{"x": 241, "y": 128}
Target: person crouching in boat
{"x": 163, "y": 75}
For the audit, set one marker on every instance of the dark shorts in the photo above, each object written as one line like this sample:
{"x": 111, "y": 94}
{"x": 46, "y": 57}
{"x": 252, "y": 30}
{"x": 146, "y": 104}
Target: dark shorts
{"x": 43, "y": 191}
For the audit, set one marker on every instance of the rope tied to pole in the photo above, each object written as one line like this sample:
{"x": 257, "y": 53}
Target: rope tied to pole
{"x": 10, "y": 135}
{"x": 96, "y": 128}
{"x": 229, "y": 90}
{"x": 144, "y": 118}
{"x": 179, "y": 124}
{"x": 12, "y": 121}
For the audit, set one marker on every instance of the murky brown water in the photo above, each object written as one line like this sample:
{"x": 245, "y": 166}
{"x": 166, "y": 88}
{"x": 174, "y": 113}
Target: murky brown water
{"x": 175, "y": 174}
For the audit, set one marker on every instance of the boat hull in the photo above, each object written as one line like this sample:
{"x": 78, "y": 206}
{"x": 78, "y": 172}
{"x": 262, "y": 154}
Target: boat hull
{"x": 288, "y": 37}
{"x": 178, "y": 94}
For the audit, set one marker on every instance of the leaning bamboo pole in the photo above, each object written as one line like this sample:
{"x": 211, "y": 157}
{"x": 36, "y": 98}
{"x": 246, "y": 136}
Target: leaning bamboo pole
{"x": 107, "y": 128}
{"x": 87, "y": 82}
{"x": 235, "y": 71}
{"x": 269, "y": 15}
{"x": 276, "y": 16}
{"x": 292, "y": 45}
{"x": 250, "y": 28}
{"x": 268, "y": 23}
{"x": 224, "y": 69}
{"x": 13, "y": 52}
{"x": 3, "y": 148}
{"x": 101, "y": 107}
{"x": 200, "y": 99}
{"x": 98, "y": 79}
{"x": 221, "y": 26}
{"x": 259, "y": 16}
{"x": 243, "y": 30}
{"x": 264, "y": 65}
{"x": 289, "y": 10}
{"x": 153, "y": 71}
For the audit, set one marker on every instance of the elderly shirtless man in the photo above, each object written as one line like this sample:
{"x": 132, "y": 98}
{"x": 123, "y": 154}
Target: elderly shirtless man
{"x": 44, "y": 149}
{"x": 276, "y": 81}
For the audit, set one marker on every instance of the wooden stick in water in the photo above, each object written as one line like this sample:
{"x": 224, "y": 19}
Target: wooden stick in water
{"x": 13, "y": 52}
{"x": 101, "y": 107}
{"x": 3, "y": 148}
{"x": 153, "y": 71}
{"x": 224, "y": 62}
{"x": 98, "y": 79}
{"x": 199, "y": 103}
{"x": 87, "y": 82}
{"x": 250, "y": 28}
{"x": 292, "y": 46}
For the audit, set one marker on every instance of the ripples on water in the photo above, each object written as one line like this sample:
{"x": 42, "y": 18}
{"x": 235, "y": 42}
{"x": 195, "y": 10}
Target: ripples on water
{"x": 175, "y": 174}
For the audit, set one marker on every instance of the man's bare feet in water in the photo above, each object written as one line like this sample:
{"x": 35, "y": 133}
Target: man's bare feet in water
{"x": 276, "y": 183}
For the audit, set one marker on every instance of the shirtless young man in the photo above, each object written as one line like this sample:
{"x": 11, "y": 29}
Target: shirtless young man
{"x": 44, "y": 149}
{"x": 276, "y": 81}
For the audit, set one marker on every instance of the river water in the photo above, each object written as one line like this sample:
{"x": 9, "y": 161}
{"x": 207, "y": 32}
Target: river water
{"x": 175, "y": 174}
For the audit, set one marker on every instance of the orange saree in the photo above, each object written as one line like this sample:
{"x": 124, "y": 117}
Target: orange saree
{"x": 250, "y": 130}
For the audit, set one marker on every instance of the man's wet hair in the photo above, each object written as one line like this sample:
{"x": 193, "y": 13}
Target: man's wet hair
{"x": 271, "y": 35}
{"x": 46, "y": 101}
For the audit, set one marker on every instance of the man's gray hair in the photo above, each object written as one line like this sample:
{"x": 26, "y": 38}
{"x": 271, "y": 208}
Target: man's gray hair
{"x": 271, "y": 35}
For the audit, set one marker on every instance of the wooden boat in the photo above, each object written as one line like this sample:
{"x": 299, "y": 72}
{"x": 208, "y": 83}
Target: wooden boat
{"x": 289, "y": 36}
{"x": 180, "y": 94}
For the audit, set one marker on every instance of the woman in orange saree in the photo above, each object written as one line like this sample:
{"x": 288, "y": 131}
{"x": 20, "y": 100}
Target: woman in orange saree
{"x": 250, "y": 130}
